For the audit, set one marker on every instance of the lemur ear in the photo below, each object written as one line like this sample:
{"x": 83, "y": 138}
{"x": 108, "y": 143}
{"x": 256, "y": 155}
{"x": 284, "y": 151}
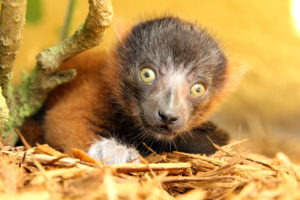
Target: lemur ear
{"x": 122, "y": 28}
{"x": 235, "y": 72}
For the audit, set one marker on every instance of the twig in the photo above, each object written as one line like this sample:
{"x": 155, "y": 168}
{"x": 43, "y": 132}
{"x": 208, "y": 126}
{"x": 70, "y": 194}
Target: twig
{"x": 86, "y": 36}
{"x": 24, "y": 141}
{"x": 210, "y": 160}
{"x": 174, "y": 179}
{"x": 121, "y": 168}
{"x": 262, "y": 163}
{"x": 128, "y": 168}
{"x": 45, "y": 159}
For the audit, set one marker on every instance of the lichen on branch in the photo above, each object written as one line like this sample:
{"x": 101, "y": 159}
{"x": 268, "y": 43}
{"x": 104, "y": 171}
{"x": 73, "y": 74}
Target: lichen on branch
{"x": 27, "y": 98}
{"x": 88, "y": 35}
{"x": 12, "y": 21}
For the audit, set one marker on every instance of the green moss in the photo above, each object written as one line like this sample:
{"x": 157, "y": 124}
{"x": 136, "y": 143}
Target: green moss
{"x": 28, "y": 98}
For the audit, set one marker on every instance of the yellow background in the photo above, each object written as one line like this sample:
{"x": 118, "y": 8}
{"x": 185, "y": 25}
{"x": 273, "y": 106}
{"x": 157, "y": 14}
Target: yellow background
{"x": 258, "y": 34}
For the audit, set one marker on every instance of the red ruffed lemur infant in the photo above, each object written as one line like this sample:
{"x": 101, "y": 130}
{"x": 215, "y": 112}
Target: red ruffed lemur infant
{"x": 155, "y": 91}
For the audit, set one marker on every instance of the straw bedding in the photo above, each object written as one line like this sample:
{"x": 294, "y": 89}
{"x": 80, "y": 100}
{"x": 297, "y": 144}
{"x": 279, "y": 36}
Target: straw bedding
{"x": 232, "y": 173}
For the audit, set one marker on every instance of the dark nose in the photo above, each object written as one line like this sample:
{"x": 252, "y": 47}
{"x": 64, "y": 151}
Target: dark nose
{"x": 167, "y": 117}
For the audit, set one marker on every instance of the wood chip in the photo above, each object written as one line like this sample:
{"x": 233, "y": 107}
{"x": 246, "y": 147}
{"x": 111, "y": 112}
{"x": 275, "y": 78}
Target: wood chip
{"x": 42, "y": 172}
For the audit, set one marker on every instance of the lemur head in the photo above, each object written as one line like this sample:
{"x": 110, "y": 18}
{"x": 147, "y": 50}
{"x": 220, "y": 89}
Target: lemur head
{"x": 171, "y": 74}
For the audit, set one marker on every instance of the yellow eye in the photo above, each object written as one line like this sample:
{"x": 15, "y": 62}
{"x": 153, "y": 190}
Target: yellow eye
{"x": 197, "y": 90}
{"x": 147, "y": 75}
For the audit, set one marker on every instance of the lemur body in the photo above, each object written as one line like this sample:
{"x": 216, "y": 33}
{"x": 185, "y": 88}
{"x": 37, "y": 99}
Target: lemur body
{"x": 155, "y": 89}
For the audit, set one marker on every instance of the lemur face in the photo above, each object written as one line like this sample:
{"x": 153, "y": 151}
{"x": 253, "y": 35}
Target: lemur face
{"x": 170, "y": 71}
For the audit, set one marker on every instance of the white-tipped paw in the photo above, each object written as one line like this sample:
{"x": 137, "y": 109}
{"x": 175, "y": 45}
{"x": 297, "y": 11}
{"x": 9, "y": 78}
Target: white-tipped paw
{"x": 109, "y": 151}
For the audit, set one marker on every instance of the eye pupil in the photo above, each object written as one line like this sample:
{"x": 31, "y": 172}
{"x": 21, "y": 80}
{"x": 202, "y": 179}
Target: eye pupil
{"x": 147, "y": 74}
{"x": 197, "y": 90}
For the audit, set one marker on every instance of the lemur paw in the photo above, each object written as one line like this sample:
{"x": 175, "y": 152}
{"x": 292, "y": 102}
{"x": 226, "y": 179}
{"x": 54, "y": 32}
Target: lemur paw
{"x": 109, "y": 151}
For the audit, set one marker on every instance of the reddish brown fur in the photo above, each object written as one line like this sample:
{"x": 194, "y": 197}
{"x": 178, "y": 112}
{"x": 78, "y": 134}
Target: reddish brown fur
{"x": 71, "y": 122}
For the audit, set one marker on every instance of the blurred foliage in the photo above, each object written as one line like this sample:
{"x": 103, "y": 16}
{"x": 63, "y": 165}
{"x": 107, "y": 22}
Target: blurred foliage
{"x": 68, "y": 20}
{"x": 34, "y": 11}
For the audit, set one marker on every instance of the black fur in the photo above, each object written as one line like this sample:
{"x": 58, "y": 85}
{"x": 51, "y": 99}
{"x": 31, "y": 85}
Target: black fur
{"x": 168, "y": 44}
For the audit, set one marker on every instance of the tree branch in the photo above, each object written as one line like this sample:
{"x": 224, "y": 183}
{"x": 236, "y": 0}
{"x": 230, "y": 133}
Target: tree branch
{"x": 26, "y": 99}
{"x": 87, "y": 36}
{"x": 4, "y": 113}
{"x": 12, "y": 20}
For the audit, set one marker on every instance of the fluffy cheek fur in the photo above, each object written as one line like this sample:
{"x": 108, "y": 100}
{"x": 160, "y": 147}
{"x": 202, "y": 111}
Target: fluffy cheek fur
{"x": 130, "y": 107}
{"x": 120, "y": 91}
{"x": 205, "y": 109}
